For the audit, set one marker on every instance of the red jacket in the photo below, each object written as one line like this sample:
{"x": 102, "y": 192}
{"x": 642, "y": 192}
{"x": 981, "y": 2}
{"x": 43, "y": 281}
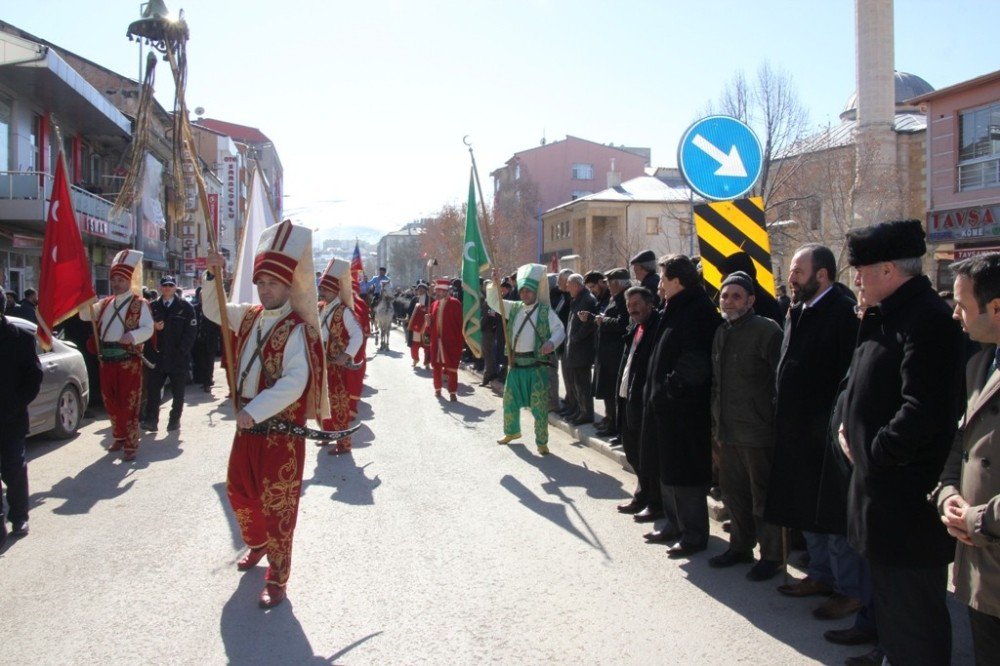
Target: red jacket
{"x": 446, "y": 332}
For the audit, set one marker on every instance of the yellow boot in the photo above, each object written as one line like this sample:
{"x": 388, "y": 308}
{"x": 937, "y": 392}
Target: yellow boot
{"x": 507, "y": 439}
{"x": 543, "y": 449}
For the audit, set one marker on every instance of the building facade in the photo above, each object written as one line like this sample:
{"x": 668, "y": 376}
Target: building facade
{"x": 607, "y": 228}
{"x": 963, "y": 170}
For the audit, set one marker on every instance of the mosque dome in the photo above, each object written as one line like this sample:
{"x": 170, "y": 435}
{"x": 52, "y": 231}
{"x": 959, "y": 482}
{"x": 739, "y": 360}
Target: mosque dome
{"x": 908, "y": 86}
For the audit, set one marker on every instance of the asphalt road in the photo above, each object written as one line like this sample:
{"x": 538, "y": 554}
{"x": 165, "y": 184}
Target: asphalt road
{"x": 429, "y": 544}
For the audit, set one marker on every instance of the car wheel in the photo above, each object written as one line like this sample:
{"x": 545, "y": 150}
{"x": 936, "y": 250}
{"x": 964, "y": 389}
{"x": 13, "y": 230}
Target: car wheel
{"x": 68, "y": 413}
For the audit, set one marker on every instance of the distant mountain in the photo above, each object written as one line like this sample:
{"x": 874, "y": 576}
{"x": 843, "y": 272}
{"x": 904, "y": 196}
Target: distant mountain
{"x": 367, "y": 234}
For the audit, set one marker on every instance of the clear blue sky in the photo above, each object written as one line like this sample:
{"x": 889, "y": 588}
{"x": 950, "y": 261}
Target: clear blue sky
{"x": 367, "y": 102}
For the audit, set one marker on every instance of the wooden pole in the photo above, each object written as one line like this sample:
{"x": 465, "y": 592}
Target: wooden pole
{"x": 188, "y": 153}
{"x": 489, "y": 242}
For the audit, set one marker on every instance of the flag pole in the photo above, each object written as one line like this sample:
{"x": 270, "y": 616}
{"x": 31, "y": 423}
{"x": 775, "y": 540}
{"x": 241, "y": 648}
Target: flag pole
{"x": 491, "y": 249}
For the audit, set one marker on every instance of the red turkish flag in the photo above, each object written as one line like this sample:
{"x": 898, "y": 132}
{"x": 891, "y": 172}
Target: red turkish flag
{"x": 65, "y": 285}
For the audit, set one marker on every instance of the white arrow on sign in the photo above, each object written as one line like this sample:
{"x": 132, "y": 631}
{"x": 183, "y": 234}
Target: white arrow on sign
{"x": 729, "y": 165}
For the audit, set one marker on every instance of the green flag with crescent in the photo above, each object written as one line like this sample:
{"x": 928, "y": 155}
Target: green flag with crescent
{"x": 474, "y": 261}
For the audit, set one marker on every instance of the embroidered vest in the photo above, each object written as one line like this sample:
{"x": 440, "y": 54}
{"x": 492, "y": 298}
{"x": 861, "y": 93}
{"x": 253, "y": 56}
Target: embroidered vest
{"x": 272, "y": 359}
{"x": 543, "y": 332}
{"x": 338, "y": 337}
{"x": 131, "y": 318}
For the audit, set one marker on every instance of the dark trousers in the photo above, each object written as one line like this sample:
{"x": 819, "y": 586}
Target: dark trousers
{"x": 647, "y": 488}
{"x": 154, "y": 393}
{"x": 686, "y": 511}
{"x": 581, "y": 388}
{"x": 744, "y": 472}
{"x": 203, "y": 363}
{"x": 14, "y": 474}
{"x": 611, "y": 413}
{"x": 489, "y": 347}
{"x": 985, "y": 637}
{"x": 912, "y": 614}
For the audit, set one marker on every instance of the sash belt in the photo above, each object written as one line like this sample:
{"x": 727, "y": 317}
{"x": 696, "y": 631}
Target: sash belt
{"x": 295, "y": 430}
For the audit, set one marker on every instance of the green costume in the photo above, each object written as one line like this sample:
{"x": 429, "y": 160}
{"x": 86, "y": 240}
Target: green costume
{"x": 527, "y": 382}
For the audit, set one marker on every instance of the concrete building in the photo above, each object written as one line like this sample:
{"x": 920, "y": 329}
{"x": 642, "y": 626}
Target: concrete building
{"x": 45, "y": 100}
{"x": 963, "y": 170}
{"x": 401, "y": 255}
{"x": 537, "y": 179}
{"x": 257, "y": 151}
{"x": 610, "y": 226}
{"x": 868, "y": 168}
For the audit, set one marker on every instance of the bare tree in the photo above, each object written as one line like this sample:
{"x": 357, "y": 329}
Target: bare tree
{"x": 513, "y": 228}
{"x": 443, "y": 237}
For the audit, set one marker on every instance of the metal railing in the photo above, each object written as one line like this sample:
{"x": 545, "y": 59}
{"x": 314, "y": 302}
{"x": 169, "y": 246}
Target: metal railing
{"x": 26, "y": 186}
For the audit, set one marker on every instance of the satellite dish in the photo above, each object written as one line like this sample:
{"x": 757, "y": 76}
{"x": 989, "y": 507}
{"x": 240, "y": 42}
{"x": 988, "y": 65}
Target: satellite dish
{"x": 199, "y": 110}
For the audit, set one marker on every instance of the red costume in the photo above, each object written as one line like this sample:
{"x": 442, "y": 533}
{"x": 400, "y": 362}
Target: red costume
{"x": 121, "y": 377}
{"x": 265, "y": 470}
{"x": 446, "y": 341}
{"x": 421, "y": 335}
{"x": 356, "y": 378}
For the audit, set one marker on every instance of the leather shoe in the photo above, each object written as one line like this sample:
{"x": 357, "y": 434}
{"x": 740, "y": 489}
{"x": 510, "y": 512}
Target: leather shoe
{"x": 20, "y": 529}
{"x": 730, "y": 558}
{"x": 116, "y": 445}
{"x": 129, "y": 456}
{"x": 173, "y": 425}
{"x": 632, "y": 507}
{"x": 250, "y": 560}
{"x": 851, "y": 636}
{"x": 807, "y": 587}
{"x": 838, "y": 606}
{"x": 615, "y": 441}
{"x": 647, "y": 516}
{"x": 875, "y": 658}
{"x": 583, "y": 420}
{"x": 661, "y": 536}
{"x": 764, "y": 570}
{"x": 680, "y": 549}
{"x": 148, "y": 426}
{"x": 271, "y": 596}
{"x": 507, "y": 439}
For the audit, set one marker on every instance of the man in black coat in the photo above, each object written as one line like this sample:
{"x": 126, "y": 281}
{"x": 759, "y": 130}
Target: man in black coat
{"x": 820, "y": 333}
{"x": 899, "y": 422}
{"x": 28, "y": 307}
{"x": 644, "y": 266}
{"x": 579, "y": 350}
{"x": 678, "y": 423}
{"x": 206, "y": 346}
{"x": 169, "y": 354}
{"x": 611, "y": 325}
{"x": 22, "y": 379}
{"x": 631, "y": 385}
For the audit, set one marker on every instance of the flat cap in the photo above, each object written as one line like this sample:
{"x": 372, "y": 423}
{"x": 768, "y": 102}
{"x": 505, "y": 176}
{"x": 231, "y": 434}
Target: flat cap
{"x": 643, "y": 257}
{"x": 618, "y": 274}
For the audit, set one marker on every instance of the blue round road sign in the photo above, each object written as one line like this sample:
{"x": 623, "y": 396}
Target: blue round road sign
{"x": 720, "y": 158}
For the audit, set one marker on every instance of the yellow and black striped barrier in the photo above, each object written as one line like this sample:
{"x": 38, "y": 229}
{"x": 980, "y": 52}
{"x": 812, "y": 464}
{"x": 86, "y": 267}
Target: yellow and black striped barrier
{"x": 727, "y": 227}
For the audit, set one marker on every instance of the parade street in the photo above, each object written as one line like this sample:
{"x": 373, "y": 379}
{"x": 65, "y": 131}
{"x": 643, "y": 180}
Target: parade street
{"x": 428, "y": 544}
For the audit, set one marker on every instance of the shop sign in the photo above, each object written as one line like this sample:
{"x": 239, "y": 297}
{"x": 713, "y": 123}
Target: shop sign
{"x": 969, "y": 252}
{"x": 976, "y": 222}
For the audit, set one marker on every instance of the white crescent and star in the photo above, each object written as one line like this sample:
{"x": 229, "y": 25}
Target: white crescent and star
{"x": 55, "y": 216}
{"x": 465, "y": 253}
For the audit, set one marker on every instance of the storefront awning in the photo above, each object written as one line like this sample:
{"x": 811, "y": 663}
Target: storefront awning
{"x": 38, "y": 73}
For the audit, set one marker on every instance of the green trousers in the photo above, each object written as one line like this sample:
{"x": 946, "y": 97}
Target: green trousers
{"x": 527, "y": 387}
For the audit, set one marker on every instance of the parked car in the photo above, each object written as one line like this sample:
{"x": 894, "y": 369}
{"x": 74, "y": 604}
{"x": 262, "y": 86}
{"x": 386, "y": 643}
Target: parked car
{"x": 65, "y": 390}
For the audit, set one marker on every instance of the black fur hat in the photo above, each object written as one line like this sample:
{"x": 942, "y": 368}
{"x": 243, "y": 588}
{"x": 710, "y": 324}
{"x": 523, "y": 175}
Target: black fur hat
{"x": 886, "y": 241}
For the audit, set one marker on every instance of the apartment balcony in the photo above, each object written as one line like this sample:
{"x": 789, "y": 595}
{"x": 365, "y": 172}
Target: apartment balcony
{"x": 24, "y": 205}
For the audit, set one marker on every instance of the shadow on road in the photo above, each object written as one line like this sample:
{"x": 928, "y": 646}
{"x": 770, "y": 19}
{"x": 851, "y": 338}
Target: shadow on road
{"x": 391, "y": 353}
{"x": 98, "y": 481}
{"x": 350, "y": 483}
{"x": 469, "y": 414}
{"x": 556, "y": 513}
{"x": 564, "y": 474}
{"x": 234, "y": 528}
{"x": 254, "y": 636}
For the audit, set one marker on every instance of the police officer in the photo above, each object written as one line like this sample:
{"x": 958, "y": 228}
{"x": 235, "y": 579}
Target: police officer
{"x": 168, "y": 354}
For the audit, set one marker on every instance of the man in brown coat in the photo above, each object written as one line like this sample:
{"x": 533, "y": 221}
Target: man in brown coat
{"x": 969, "y": 495}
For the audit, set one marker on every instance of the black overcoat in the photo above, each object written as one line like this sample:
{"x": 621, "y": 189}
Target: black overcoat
{"x": 580, "y": 347}
{"x": 170, "y": 349}
{"x": 815, "y": 353}
{"x": 678, "y": 392}
{"x": 610, "y": 348}
{"x": 900, "y": 417}
{"x": 22, "y": 379}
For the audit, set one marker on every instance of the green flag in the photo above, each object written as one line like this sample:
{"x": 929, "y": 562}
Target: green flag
{"x": 474, "y": 261}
